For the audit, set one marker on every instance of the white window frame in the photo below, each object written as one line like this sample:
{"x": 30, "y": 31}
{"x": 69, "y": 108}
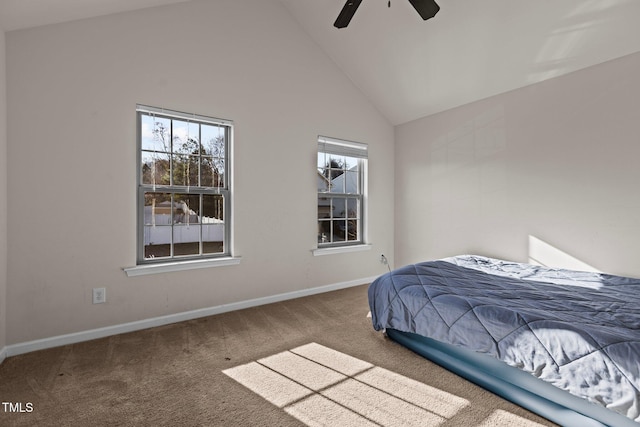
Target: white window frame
{"x": 340, "y": 147}
{"x": 175, "y": 262}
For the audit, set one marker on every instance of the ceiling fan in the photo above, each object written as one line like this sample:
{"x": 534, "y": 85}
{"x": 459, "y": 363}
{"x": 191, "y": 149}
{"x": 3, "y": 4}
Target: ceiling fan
{"x": 426, "y": 8}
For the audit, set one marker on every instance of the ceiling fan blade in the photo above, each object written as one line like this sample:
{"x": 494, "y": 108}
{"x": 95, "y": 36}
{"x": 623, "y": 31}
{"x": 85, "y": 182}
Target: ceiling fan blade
{"x": 426, "y": 8}
{"x": 347, "y": 13}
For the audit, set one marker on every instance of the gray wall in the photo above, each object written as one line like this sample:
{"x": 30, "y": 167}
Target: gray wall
{"x": 554, "y": 164}
{"x": 72, "y": 91}
{"x": 3, "y": 196}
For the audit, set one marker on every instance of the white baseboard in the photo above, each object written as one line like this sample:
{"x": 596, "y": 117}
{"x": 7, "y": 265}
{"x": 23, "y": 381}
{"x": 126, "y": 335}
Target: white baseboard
{"x": 60, "y": 340}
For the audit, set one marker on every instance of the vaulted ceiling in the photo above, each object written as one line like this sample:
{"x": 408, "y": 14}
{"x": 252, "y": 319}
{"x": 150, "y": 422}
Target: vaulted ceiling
{"x": 410, "y": 68}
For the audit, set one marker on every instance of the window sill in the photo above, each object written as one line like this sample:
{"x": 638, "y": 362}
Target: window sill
{"x": 340, "y": 249}
{"x": 144, "y": 269}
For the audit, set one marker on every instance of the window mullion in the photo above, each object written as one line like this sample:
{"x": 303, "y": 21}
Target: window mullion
{"x": 331, "y": 221}
{"x": 173, "y": 222}
{"x": 201, "y": 222}
{"x": 171, "y": 154}
{"x": 200, "y": 149}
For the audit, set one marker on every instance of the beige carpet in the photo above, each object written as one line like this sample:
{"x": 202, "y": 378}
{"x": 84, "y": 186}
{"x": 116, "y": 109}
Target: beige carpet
{"x": 311, "y": 361}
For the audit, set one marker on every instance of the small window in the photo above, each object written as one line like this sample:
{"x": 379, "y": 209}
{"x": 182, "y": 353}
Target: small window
{"x": 183, "y": 186}
{"x": 341, "y": 177}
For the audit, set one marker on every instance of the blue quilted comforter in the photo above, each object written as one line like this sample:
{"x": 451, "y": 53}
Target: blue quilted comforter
{"x": 579, "y": 331}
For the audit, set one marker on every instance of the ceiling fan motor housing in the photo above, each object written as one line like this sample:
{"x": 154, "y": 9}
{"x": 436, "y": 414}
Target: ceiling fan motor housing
{"x": 426, "y": 9}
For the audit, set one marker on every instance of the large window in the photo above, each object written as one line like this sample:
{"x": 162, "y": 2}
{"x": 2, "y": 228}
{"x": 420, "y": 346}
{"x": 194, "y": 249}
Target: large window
{"x": 183, "y": 186}
{"x": 341, "y": 176}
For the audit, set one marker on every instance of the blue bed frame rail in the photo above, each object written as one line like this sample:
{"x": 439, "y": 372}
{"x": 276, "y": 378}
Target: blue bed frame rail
{"x": 513, "y": 384}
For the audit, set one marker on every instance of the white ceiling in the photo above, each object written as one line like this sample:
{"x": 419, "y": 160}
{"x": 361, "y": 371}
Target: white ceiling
{"x": 19, "y": 14}
{"x": 410, "y": 68}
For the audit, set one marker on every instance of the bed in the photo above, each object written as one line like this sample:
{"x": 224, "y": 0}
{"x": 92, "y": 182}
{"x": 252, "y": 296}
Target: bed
{"x": 564, "y": 344}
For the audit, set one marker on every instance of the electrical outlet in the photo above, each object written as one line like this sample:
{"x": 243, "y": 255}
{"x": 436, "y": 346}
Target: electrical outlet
{"x": 383, "y": 260}
{"x": 99, "y": 295}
